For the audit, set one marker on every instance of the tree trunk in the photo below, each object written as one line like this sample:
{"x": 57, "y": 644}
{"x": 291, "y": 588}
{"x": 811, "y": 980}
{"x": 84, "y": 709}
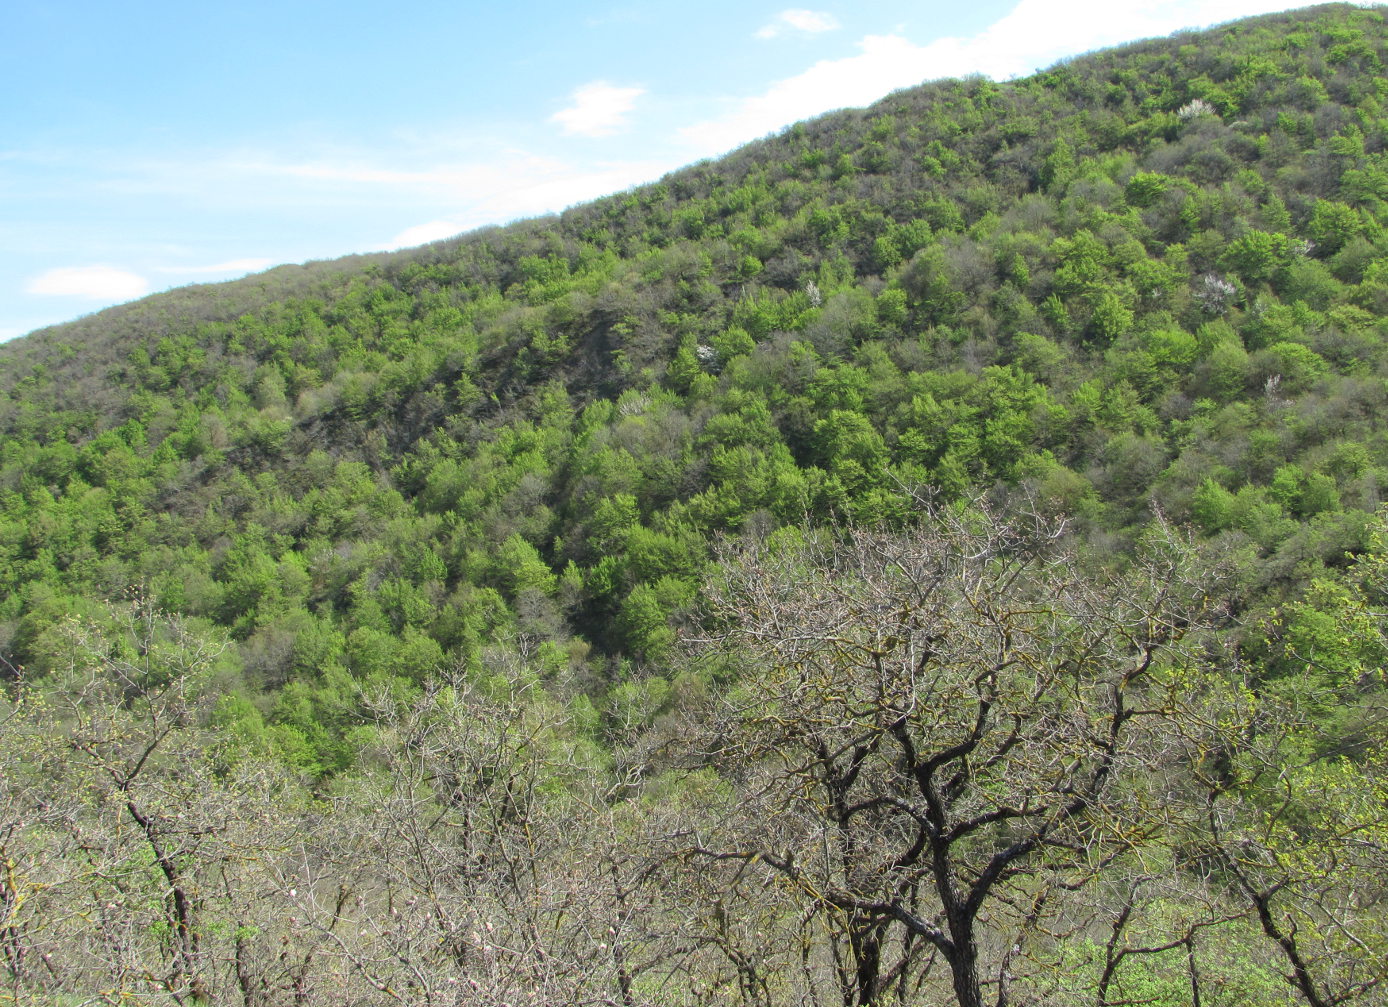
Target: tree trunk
{"x": 963, "y": 964}
{"x": 867, "y": 954}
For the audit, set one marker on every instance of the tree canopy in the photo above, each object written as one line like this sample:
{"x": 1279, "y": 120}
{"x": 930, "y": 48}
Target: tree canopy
{"x": 934, "y": 553}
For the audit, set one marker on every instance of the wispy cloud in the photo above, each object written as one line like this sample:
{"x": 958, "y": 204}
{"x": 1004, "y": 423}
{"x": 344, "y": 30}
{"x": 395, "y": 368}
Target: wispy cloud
{"x": 529, "y": 194}
{"x": 230, "y": 266}
{"x": 811, "y": 22}
{"x": 598, "y": 109}
{"x": 466, "y": 195}
{"x": 422, "y": 234}
{"x": 884, "y": 63}
{"x": 94, "y": 283}
{"x": 428, "y": 190}
{"x": 1032, "y": 36}
{"x": 564, "y": 188}
{"x": 1029, "y": 37}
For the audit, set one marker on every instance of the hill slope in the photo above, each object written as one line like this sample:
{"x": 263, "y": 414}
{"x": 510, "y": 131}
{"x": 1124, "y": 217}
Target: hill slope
{"x": 632, "y": 581}
{"x": 1152, "y": 274}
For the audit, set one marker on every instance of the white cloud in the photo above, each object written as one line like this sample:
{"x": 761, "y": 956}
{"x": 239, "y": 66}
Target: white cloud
{"x": 885, "y": 63}
{"x": 94, "y": 283}
{"x": 598, "y": 109}
{"x": 1033, "y": 35}
{"x": 230, "y": 266}
{"x": 567, "y": 185}
{"x": 437, "y": 179}
{"x": 811, "y": 22}
{"x": 544, "y": 187}
{"x": 422, "y": 234}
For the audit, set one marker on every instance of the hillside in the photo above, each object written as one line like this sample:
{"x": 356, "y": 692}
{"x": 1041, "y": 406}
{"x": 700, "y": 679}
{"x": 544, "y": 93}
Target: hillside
{"x": 489, "y": 546}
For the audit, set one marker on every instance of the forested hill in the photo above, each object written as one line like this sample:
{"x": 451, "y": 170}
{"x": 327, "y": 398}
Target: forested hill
{"x": 578, "y": 466}
{"x": 1150, "y": 277}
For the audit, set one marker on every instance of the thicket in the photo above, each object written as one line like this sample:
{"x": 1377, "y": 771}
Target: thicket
{"x": 1144, "y": 289}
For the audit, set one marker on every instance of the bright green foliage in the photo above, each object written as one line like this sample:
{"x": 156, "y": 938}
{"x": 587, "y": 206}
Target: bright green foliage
{"x": 1151, "y": 281}
{"x": 1256, "y": 255}
{"x": 1332, "y": 224}
{"x": 1078, "y": 288}
{"x": 1110, "y": 318}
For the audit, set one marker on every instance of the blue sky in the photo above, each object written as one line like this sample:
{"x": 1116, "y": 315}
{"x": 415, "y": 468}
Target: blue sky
{"x": 148, "y": 145}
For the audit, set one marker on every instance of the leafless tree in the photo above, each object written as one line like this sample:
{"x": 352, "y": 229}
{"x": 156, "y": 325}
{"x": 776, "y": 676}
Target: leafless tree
{"x": 939, "y": 736}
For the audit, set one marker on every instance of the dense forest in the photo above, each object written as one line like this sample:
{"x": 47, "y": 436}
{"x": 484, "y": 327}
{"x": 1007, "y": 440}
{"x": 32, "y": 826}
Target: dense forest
{"x": 937, "y": 554}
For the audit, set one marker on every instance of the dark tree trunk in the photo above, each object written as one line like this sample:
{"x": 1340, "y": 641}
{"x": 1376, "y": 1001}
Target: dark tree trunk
{"x": 963, "y": 965}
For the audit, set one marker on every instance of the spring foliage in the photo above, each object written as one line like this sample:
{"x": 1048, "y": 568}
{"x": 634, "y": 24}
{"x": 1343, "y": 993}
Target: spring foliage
{"x": 429, "y": 540}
